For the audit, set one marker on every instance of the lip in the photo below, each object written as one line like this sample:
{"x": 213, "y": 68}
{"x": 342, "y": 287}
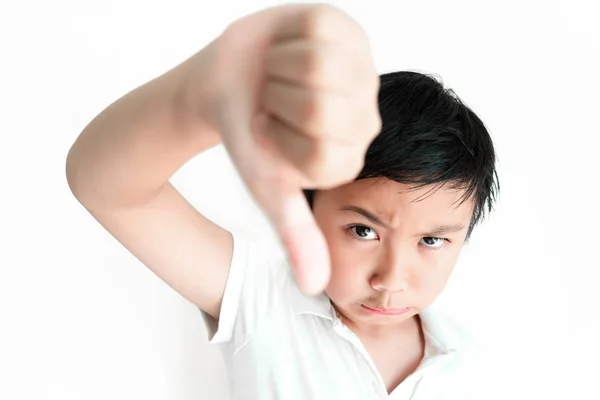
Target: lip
{"x": 384, "y": 311}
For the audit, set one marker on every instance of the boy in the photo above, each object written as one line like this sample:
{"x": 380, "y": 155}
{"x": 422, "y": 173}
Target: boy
{"x": 396, "y": 171}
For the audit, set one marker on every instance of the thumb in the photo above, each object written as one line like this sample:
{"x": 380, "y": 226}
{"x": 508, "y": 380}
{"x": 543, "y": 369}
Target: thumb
{"x": 302, "y": 238}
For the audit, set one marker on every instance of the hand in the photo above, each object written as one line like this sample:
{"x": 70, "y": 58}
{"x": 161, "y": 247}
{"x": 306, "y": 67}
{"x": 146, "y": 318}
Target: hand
{"x": 296, "y": 109}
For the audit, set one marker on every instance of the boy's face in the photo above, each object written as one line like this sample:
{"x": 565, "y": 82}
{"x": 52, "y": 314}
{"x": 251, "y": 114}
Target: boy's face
{"x": 400, "y": 263}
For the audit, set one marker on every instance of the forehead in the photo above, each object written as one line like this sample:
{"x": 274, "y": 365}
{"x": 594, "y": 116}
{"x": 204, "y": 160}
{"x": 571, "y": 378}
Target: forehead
{"x": 391, "y": 199}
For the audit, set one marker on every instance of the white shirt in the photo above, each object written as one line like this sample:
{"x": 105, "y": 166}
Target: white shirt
{"x": 281, "y": 344}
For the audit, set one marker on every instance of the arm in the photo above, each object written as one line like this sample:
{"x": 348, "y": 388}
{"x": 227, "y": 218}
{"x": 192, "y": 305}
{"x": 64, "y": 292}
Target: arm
{"x": 119, "y": 167}
{"x": 279, "y": 113}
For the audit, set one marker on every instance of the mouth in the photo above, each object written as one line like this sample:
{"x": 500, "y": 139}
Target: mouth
{"x": 385, "y": 311}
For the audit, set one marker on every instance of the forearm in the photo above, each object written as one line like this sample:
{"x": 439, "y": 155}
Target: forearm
{"x": 131, "y": 149}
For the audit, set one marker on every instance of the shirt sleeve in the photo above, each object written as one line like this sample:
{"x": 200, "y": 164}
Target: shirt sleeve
{"x": 253, "y": 288}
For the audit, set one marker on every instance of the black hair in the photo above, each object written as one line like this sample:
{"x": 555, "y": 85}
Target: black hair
{"x": 430, "y": 137}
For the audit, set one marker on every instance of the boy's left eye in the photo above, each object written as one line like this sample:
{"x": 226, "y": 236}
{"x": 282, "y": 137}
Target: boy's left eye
{"x": 433, "y": 242}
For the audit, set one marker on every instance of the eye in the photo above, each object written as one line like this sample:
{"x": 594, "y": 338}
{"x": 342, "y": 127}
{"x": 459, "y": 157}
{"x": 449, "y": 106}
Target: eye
{"x": 362, "y": 232}
{"x": 433, "y": 242}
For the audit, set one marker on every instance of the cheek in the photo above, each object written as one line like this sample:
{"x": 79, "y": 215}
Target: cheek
{"x": 431, "y": 282}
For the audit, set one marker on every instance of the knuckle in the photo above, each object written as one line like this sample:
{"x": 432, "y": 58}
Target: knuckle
{"x": 315, "y": 65}
{"x": 331, "y": 165}
{"x": 354, "y": 158}
{"x": 327, "y": 117}
{"x": 378, "y": 125}
{"x": 315, "y": 112}
{"x": 319, "y": 17}
{"x": 375, "y": 125}
{"x": 353, "y": 170}
{"x": 325, "y": 20}
{"x": 271, "y": 97}
{"x": 367, "y": 117}
{"x": 316, "y": 163}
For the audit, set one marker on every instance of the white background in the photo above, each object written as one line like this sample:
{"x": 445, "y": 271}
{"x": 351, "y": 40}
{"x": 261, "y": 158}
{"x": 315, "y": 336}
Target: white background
{"x": 80, "y": 318}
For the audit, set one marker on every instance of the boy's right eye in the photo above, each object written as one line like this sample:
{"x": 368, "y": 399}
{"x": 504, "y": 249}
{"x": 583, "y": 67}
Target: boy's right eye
{"x": 362, "y": 232}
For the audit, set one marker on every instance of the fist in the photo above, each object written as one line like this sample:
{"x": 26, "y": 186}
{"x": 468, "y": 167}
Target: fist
{"x": 296, "y": 104}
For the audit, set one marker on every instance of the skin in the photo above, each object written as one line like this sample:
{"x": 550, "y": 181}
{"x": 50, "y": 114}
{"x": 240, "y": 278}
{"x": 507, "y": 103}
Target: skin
{"x": 399, "y": 261}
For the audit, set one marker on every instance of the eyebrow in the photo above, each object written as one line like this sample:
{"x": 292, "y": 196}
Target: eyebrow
{"x": 435, "y": 232}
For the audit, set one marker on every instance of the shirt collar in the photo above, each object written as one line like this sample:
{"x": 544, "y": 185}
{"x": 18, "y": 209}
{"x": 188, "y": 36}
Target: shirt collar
{"x": 439, "y": 331}
{"x": 319, "y": 305}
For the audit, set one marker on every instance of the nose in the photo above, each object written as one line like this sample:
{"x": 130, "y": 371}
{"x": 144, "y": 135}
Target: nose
{"x": 391, "y": 281}
{"x": 393, "y": 273}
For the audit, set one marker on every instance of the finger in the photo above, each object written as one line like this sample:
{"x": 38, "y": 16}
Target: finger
{"x": 324, "y": 164}
{"x": 321, "y": 21}
{"x": 317, "y": 65}
{"x": 303, "y": 240}
{"x": 316, "y": 114}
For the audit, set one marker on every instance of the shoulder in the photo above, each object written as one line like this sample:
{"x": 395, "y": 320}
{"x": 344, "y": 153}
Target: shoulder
{"x": 452, "y": 337}
{"x": 257, "y": 283}
{"x": 457, "y": 337}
